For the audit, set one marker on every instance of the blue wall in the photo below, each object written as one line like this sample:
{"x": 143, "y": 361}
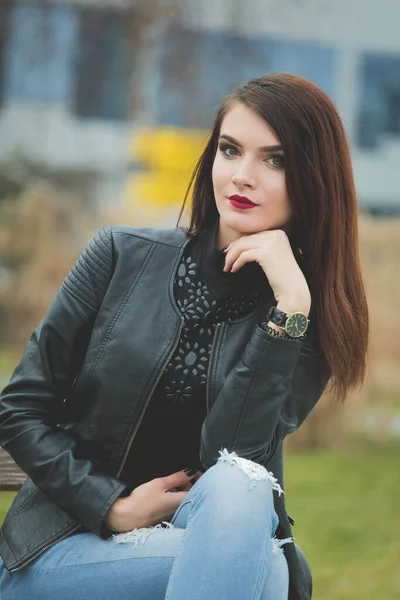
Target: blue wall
{"x": 40, "y": 53}
{"x": 199, "y": 68}
{"x": 379, "y": 100}
{"x": 84, "y": 58}
{"x": 60, "y": 54}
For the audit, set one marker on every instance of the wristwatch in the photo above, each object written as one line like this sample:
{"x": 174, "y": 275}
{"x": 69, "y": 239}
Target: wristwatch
{"x": 295, "y": 324}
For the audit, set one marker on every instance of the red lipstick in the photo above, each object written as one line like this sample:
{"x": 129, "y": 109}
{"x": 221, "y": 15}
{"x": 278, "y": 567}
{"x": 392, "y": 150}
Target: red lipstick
{"x": 241, "y": 202}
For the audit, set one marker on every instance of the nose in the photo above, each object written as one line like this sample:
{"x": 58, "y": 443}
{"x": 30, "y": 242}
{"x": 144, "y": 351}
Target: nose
{"x": 243, "y": 176}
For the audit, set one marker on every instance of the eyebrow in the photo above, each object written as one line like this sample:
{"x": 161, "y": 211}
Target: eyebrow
{"x": 239, "y": 145}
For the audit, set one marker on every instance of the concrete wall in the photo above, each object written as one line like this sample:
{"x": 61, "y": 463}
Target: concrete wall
{"x": 349, "y": 32}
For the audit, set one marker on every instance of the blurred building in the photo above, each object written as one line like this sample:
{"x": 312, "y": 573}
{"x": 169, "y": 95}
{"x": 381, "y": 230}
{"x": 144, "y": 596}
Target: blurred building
{"x": 115, "y": 97}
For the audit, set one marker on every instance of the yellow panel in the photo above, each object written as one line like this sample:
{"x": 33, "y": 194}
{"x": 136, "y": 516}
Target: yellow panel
{"x": 168, "y": 148}
{"x": 168, "y": 156}
{"x": 161, "y": 188}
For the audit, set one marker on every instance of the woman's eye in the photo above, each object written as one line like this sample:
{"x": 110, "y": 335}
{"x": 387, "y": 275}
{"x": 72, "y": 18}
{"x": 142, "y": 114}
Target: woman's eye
{"x": 277, "y": 161}
{"x": 228, "y": 150}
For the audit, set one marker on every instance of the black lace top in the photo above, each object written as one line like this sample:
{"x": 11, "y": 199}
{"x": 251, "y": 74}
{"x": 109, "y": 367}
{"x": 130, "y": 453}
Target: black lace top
{"x": 168, "y": 438}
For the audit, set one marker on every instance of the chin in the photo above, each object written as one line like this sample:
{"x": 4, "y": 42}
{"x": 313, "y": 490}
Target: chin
{"x": 243, "y": 224}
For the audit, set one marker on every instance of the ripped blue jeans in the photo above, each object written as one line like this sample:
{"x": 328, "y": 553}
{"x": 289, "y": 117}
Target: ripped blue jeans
{"x": 219, "y": 545}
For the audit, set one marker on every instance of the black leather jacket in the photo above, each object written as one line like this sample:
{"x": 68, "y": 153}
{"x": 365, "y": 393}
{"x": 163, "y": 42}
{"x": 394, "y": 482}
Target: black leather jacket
{"x": 76, "y": 400}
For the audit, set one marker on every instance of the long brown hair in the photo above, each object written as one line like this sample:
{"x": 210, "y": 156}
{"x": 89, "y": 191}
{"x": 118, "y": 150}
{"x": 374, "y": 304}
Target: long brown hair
{"x": 320, "y": 185}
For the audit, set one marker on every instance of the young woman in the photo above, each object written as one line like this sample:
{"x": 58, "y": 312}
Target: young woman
{"x": 151, "y": 403}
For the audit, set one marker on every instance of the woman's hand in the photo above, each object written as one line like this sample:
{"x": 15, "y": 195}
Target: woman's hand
{"x": 272, "y": 251}
{"x": 149, "y": 503}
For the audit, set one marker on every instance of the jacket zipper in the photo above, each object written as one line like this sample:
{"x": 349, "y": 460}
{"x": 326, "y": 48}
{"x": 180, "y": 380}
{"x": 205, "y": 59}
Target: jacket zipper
{"x": 76, "y": 527}
{"x": 69, "y": 532}
{"x": 213, "y": 345}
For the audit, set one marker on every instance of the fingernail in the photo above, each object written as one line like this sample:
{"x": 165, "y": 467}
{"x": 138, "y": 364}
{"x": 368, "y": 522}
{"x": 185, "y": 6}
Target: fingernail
{"x": 190, "y": 471}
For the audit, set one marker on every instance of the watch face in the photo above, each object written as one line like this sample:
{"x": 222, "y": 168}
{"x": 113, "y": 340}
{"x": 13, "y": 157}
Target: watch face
{"x": 296, "y": 325}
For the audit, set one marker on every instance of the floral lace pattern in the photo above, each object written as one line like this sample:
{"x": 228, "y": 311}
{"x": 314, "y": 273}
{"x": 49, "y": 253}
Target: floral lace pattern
{"x": 187, "y": 370}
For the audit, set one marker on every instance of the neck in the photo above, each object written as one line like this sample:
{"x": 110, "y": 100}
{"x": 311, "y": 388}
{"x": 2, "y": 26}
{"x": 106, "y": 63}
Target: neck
{"x": 226, "y": 236}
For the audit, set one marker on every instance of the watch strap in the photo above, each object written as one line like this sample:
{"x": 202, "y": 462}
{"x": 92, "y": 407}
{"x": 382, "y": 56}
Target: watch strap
{"x": 277, "y": 316}
{"x": 285, "y": 336}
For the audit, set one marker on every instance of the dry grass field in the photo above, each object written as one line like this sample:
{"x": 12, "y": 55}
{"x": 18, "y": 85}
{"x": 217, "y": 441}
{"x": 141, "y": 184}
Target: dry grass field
{"x": 380, "y": 255}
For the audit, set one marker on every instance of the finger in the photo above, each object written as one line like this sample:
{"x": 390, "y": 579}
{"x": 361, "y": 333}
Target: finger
{"x": 187, "y": 487}
{"x": 231, "y": 256}
{"x": 197, "y": 477}
{"x": 174, "y": 499}
{"x": 176, "y": 480}
{"x": 235, "y": 251}
{"x": 245, "y": 257}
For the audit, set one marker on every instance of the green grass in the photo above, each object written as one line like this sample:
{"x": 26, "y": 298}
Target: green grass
{"x": 347, "y": 510}
{"x": 5, "y": 500}
{"x": 9, "y": 358}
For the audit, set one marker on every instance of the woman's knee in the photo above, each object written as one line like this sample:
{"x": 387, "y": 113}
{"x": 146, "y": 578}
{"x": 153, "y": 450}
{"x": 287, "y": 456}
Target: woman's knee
{"x": 235, "y": 487}
{"x": 234, "y": 473}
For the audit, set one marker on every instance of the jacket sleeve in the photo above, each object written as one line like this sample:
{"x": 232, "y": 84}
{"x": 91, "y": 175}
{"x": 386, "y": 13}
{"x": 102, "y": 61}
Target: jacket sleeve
{"x": 31, "y": 404}
{"x": 267, "y": 395}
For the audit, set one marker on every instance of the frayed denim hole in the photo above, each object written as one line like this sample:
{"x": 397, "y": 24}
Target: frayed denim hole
{"x": 139, "y": 536}
{"x": 253, "y": 470}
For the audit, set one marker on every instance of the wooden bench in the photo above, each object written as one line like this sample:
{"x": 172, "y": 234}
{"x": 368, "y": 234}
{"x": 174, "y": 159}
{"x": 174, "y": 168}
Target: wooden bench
{"x": 11, "y": 476}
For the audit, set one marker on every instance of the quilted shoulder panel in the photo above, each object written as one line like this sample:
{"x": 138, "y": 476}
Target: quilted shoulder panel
{"x": 89, "y": 277}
